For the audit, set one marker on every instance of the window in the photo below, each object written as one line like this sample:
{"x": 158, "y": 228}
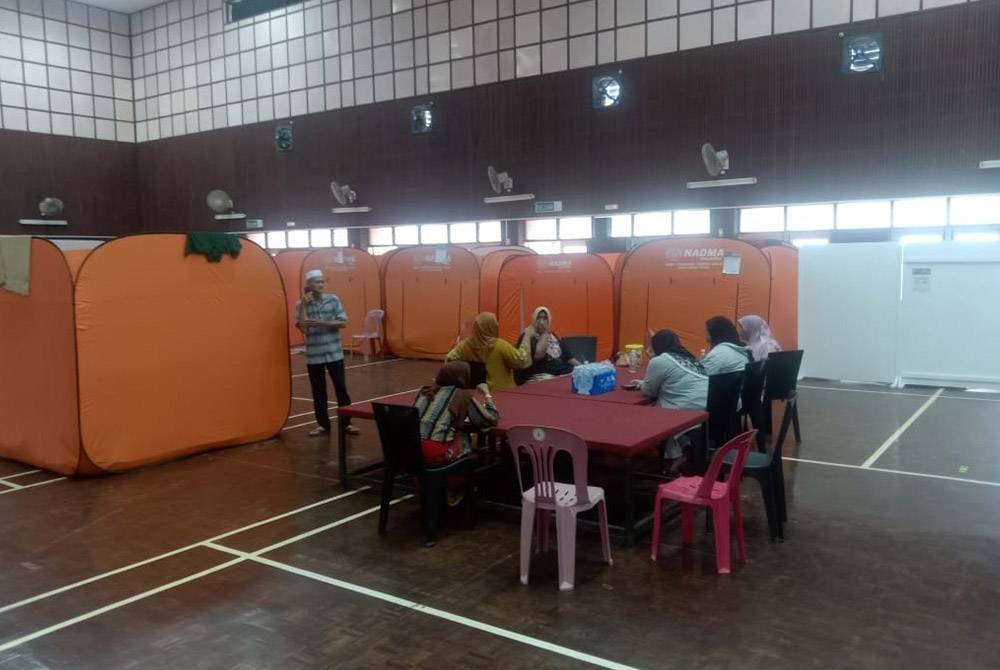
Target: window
{"x": 692, "y": 222}
{"x": 298, "y": 239}
{"x": 920, "y": 238}
{"x": 407, "y": 235}
{"x": 258, "y": 238}
{"x": 621, "y": 226}
{"x": 574, "y": 247}
{"x": 540, "y": 229}
{"x": 810, "y": 217}
{"x": 237, "y": 10}
{"x": 434, "y": 233}
{"x": 340, "y": 237}
{"x": 652, "y": 224}
{"x": 920, "y": 212}
{"x": 379, "y": 237}
{"x": 859, "y": 215}
{"x": 762, "y": 220}
{"x": 462, "y": 233}
{"x": 320, "y": 238}
{"x": 276, "y": 240}
{"x": 576, "y": 228}
{"x": 978, "y": 237}
{"x": 811, "y": 241}
{"x": 378, "y": 251}
{"x": 489, "y": 231}
{"x": 975, "y": 210}
{"x": 545, "y": 247}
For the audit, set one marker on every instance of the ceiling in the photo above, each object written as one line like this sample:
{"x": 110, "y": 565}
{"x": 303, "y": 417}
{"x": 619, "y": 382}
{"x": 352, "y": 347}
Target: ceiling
{"x": 124, "y": 6}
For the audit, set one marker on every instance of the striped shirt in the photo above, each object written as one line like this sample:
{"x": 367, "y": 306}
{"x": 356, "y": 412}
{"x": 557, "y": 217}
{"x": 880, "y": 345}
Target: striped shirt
{"x": 323, "y": 344}
{"x": 436, "y": 420}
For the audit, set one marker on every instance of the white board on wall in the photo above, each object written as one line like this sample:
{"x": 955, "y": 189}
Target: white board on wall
{"x": 849, "y": 311}
{"x": 949, "y": 317}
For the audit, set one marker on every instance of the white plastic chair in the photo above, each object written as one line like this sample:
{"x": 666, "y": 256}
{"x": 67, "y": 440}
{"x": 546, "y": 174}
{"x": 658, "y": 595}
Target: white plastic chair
{"x": 547, "y": 496}
{"x": 371, "y": 335}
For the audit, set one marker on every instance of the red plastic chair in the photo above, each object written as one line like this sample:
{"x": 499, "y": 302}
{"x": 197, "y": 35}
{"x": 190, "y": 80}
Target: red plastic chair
{"x": 707, "y": 492}
{"x": 542, "y": 444}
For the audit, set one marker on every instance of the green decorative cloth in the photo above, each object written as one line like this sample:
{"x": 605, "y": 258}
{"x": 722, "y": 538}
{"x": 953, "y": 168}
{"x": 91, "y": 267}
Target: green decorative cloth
{"x": 213, "y": 245}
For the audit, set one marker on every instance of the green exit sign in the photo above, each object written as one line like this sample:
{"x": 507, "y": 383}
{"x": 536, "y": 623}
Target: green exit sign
{"x": 548, "y": 206}
{"x": 254, "y": 224}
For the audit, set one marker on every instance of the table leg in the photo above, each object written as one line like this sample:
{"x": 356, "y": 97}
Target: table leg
{"x": 702, "y": 457}
{"x": 629, "y": 504}
{"x": 342, "y": 454}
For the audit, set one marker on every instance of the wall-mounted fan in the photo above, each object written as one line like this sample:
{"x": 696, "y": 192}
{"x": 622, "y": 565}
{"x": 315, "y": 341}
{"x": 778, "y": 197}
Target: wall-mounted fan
{"x": 500, "y": 182}
{"x": 344, "y": 194}
{"x": 716, "y": 162}
{"x": 219, "y": 202}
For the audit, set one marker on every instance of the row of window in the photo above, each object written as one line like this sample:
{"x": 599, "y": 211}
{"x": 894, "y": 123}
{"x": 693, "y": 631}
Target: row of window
{"x": 316, "y": 238}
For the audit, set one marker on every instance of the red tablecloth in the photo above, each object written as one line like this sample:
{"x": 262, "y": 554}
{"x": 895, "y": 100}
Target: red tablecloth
{"x": 605, "y": 426}
{"x": 562, "y": 387}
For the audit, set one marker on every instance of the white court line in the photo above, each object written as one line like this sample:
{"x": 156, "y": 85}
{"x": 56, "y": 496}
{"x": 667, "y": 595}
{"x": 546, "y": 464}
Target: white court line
{"x": 902, "y": 429}
{"x": 893, "y": 472}
{"x": 159, "y": 557}
{"x": 165, "y": 587}
{"x": 20, "y": 474}
{"x": 432, "y": 611}
{"x": 25, "y": 487}
{"x": 334, "y": 418}
{"x": 352, "y": 367}
{"x": 10, "y": 484}
{"x": 899, "y": 393}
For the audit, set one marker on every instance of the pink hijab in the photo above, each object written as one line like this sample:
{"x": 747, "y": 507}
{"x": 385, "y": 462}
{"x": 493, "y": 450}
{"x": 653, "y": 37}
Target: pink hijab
{"x": 759, "y": 339}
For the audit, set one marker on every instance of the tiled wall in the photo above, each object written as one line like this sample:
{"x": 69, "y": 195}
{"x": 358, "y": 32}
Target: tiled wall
{"x": 65, "y": 69}
{"x": 193, "y": 72}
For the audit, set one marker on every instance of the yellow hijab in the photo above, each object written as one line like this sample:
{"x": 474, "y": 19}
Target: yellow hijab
{"x": 485, "y": 330}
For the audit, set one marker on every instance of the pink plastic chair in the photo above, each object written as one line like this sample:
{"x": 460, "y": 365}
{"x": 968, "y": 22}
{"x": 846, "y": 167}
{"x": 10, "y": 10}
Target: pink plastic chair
{"x": 707, "y": 492}
{"x": 546, "y": 496}
{"x": 371, "y": 335}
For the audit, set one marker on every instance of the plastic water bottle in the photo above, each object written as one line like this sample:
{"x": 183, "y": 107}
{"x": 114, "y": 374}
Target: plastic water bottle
{"x": 584, "y": 380}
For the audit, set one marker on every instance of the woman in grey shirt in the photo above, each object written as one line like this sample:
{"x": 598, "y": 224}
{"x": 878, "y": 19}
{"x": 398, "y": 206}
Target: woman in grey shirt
{"x": 728, "y": 353}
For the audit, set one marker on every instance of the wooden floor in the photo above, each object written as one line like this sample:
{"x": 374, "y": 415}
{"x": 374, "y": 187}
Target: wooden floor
{"x": 253, "y": 557}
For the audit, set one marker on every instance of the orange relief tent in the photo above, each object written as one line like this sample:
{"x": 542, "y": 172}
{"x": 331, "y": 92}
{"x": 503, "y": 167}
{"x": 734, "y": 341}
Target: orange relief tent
{"x": 680, "y": 283}
{"x": 578, "y": 288}
{"x": 353, "y": 276}
{"x": 429, "y": 292}
{"x": 191, "y": 357}
{"x": 491, "y": 260}
{"x": 784, "y": 316}
{"x": 290, "y": 266}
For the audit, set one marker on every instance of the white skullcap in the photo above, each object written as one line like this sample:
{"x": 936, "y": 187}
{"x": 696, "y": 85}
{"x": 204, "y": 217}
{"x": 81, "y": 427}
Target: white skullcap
{"x": 314, "y": 274}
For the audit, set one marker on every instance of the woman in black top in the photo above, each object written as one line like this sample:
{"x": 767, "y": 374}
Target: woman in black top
{"x": 549, "y": 357}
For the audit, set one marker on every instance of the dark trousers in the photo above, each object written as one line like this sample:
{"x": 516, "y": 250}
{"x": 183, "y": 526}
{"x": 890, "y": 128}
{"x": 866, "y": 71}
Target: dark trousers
{"x": 317, "y": 380}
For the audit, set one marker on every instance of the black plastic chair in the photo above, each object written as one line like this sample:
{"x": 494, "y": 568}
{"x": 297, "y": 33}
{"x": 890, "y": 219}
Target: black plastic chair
{"x": 478, "y": 370}
{"x": 581, "y": 347}
{"x": 723, "y": 401}
{"x": 399, "y": 433}
{"x": 752, "y": 401}
{"x": 781, "y": 378}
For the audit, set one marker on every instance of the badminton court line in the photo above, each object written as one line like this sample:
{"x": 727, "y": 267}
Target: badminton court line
{"x": 179, "y": 582}
{"x": 334, "y": 418}
{"x": 25, "y": 487}
{"x": 903, "y": 394}
{"x": 19, "y": 474}
{"x": 174, "y": 552}
{"x": 891, "y": 440}
{"x": 352, "y": 367}
{"x": 906, "y": 473}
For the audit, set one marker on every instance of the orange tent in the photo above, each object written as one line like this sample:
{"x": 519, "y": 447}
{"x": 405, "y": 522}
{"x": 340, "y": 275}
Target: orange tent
{"x": 429, "y": 292}
{"x": 152, "y": 356}
{"x": 353, "y": 276}
{"x": 290, "y": 266}
{"x": 491, "y": 259}
{"x": 578, "y": 288}
{"x": 784, "y": 316}
{"x": 680, "y": 283}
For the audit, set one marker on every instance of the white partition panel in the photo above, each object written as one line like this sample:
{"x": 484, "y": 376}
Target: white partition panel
{"x": 950, "y": 315}
{"x": 849, "y": 311}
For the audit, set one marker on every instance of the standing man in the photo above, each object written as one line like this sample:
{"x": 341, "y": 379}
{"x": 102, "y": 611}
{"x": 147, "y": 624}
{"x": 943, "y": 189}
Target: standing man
{"x": 321, "y": 316}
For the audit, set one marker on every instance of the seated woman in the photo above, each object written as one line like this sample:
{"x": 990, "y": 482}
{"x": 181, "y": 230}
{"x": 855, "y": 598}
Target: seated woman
{"x": 450, "y": 411}
{"x": 728, "y": 353}
{"x": 549, "y": 357}
{"x": 758, "y": 336}
{"x": 676, "y": 380}
{"x": 485, "y": 348}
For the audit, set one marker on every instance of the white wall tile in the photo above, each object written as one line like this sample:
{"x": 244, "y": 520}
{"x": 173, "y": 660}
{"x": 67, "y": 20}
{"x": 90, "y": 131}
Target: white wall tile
{"x": 62, "y": 124}
{"x": 383, "y": 88}
{"x": 522, "y": 6}
{"x": 831, "y": 12}
{"x": 438, "y": 47}
{"x": 555, "y": 56}
{"x": 35, "y": 98}
{"x": 555, "y": 23}
{"x": 485, "y": 37}
{"x": 83, "y": 126}
{"x": 631, "y": 11}
{"x": 14, "y": 118}
{"x": 508, "y": 65}
{"x": 791, "y": 15}
{"x": 505, "y": 33}
{"x": 38, "y": 122}
{"x": 661, "y": 36}
{"x": 658, "y": 9}
{"x": 582, "y": 17}
{"x": 696, "y": 30}
{"x": 529, "y": 61}
{"x": 35, "y": 74}
{"x": 723, "y": 25}
{"x": 485, "y": 10}
{"x": 11, "y": 70}
{"x": 403, "y": 55}
{"x": 461, "y": 14}
{"x": 439, "y": 77}
{"x": 404, "y": 83}
{"x": 462, "y": 73}
{"x": 382, "y": 31}
{"x": 461, "y": 43}
{"x": 12, "y": 94}
{"x": 606, "y": 47}
{"x": 583, "y": 51}
{"x": 754, "y": 19}
{"x": 890, "y": 7}
{"x": 364, "y": 91}
{"x": 605, "y": 14}
{"x": 382, "y": 59}
{"x": 487, "y": 71}
{"x": 631, "y": 42}
{"x": 437, "y": 18}
{"x": 527, "y": 29}
{"x": 864, "y": 9}
{"x": 402, "y": 26}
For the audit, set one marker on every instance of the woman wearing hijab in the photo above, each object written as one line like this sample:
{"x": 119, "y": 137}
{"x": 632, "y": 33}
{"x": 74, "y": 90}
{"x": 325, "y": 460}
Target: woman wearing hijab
{"x": 676, "y": 380}
{"x": 728, "y": 353}
{"x": 758, "y": 335}
{"x": 549, "y": 357}
{"x": 485, "y": 347}
{"x": 450, "y": 410}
